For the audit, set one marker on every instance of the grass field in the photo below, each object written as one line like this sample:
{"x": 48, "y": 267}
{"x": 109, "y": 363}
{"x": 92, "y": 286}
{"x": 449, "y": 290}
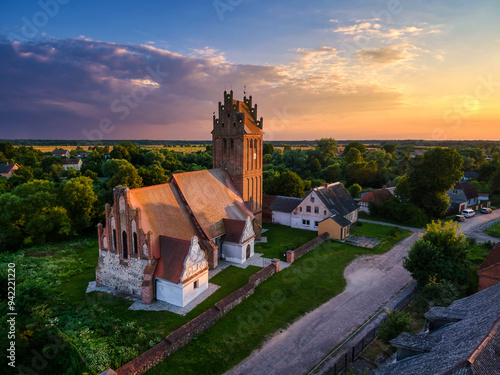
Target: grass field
{"x": 281, "y": 238}
{"x": 309, "y": 282}
{"x": 493, "y": 230}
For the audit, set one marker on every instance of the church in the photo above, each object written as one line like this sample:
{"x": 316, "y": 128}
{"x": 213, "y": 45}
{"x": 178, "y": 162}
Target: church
{"x": 158, "y": 242}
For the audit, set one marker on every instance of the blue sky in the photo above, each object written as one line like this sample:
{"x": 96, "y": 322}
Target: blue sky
{"x": 341, "y": 67}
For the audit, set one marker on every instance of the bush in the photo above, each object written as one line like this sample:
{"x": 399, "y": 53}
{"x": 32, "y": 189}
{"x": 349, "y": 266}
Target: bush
{"x": 403, "y": 213}
{"x": 396, "y": 323}
{"x": 436, "y": 294}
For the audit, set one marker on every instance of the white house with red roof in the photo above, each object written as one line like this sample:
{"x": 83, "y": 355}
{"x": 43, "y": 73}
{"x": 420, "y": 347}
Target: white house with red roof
{"x": 7, "y": 170}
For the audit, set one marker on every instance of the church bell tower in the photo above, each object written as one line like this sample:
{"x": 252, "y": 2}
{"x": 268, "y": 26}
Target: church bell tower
{"x": 237, "y": 147}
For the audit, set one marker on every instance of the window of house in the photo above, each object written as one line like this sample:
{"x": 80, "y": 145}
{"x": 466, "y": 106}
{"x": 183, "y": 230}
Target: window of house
{"x": 324, "y": 212}
{"x": 316, "y": 223}
{"x": 316, "y": 210}
{"x": 196, "y": 284}
{"x": 312, "y": 199}
{"x": 300, "y": 209}
{"x": 308, "y": 208}
{"x": 306, "y": 222}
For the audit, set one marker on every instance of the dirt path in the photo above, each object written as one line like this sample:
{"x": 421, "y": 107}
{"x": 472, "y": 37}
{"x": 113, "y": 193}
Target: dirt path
{"x": 371, "y": 282}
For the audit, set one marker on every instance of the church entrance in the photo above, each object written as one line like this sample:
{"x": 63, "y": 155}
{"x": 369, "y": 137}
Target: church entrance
{"x": 248, "y": 251}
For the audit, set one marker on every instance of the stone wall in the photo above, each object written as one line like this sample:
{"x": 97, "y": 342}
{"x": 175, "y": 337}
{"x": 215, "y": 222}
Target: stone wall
{"x": 195, "y": 327}
{"x": 293, "y": 255}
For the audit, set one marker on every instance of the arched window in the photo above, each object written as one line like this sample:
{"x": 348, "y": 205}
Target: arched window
{"x": 124, "y": 245}
{"x": 225, "y": 144}
{"x": 222, "y": 124}
{"x": 232, "y": 143}
{"x": 135, "y": 243}
{"x": 114, "y": 239}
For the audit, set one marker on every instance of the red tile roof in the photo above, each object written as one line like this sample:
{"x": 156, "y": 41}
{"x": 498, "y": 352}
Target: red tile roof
{"x": 469, "y": 190}
{"x": 71, "y": 161}
{"x": 492, "y": 258}
{"x": 173, "y": 254}
{"x": 212, "y": 196}
{"x": 378, "y": 196}
{"x": 250, "y": 125}
{"x": 234, "y": 230}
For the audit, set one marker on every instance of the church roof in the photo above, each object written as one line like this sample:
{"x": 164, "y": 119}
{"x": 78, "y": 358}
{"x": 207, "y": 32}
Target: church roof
{"x": 163, "y": 213}
{"x": 249, "y": 122}
{"x": 211, "y": 196}
{"x": 234, "y": 230}
{"x": 176, "y": 251}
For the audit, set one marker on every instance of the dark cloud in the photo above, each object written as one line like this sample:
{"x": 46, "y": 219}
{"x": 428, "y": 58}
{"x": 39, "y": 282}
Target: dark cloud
{"x": 65, "y": 89}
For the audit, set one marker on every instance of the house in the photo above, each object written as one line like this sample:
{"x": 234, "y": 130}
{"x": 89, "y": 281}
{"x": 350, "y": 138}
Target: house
{"x": 470, "y": 176}
{"x": 83, "y": 155}
{"x": 60, "y": 153}
{"x": 461, "y": 339}
{"x": 158, "y": 242}
{"x": 462, "y": 196}
{"x": 7, "y": 170}
{"x": 377, "y": 196}
{"x": 76, "y": 164}
{"x": 282, "y": 209}
{"x": 329, "y": 208}
{"x": 489, "y": 270}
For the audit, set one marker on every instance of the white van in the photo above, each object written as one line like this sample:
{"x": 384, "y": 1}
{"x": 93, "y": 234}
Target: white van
{"x": 468, "y": 212}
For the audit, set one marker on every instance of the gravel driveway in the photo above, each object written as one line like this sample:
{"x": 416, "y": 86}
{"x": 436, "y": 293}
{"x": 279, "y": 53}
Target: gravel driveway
{"x": 371, "y": 282}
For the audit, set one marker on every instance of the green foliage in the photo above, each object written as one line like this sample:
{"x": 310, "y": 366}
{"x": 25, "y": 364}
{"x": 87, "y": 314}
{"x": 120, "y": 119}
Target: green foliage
{"x": 78, "y": 198}
{"x": 363, "y": 173}
{"x": 405, "y": 213}
{"x": 355, "y": 190}
{"x": 390, "y": 148}
{"x": 332, "y": 173}
{"x": 436, "y": 294}
{"x": 441, "y": 254}
{"x": 396, "y": 323}
{"x": 287, "y": 183}
{"x": 353, "y": 156}
{"x": 153, "y": 175}
{"x": 267, "y": 149}
{"x": 357, "y": 145}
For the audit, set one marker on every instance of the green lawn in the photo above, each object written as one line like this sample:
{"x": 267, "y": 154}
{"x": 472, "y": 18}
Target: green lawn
{"x": 281, "y": 238}
{"x": 364, "y": 215}
{"x": 309, "y": 282}
{"x": 493, "y": 230}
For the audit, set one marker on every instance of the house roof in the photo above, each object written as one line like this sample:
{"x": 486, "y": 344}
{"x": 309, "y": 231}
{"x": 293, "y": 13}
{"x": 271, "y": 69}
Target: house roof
{"x": 234, "y": 230}
{"x": 471, "y": 175}
{"x": 163, "y": 212}
{"x": 492, "y": 258}
{"x": 378, "y": 196}
{"x": 71, "y": 161}
{"x": 175, "y": 251}
{"x": 285, "y": 204}
{"x": 6, "y": 168}
{"x": 340, "y": 220}
{"x": 469, "y": 190}
{"x": 336, "y": 198}
{"x": 249, "y": 122}
{"x": 455, "y": 346}
{"x": 59, "y": 152}
{"x": 211, "y": 196}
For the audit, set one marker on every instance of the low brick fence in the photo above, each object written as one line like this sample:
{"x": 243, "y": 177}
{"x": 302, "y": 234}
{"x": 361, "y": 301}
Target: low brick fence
{"x": 292, "y": 255}
{"x": 195, "y": 327}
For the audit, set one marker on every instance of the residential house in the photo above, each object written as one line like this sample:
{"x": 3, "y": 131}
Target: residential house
{"x": 282, "y": 209}
{"x": 329, "y": 208}
{"x": 464, "y": 195}
{"x": 489, "y": 270}
{"x": 60, "y": 153}
{"x": 461, "y": 339}
{"x": 470, "y": 176}
{"x": 76, "y": 164}
{"x": 7, "y": 170}
{"x": 158, "y": 242}
{"x": 377, "y": 196}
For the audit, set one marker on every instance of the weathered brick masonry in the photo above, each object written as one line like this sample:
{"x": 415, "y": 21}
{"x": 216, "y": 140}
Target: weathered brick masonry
{"x": 293, "y": 255}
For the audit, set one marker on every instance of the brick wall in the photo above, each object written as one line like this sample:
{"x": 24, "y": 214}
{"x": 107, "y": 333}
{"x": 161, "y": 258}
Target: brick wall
{"x": 293, "y": 255}
{"x": 195, "y": 327}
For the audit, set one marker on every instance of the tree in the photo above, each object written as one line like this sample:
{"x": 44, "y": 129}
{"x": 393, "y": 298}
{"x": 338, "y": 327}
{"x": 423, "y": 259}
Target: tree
{"x": 288, "y": 184}
{"x": 127, "y": 176}
{"x": 390, "y": 148}
{"x": 396, "y": 323}
{"x": 364, "y": 173}
{"x": 78, "y": 198}
{"x": 430, "y": 176}
{"x": 332, "y": 173}
{"x": 267, "y": 149}
{"x": 355, "y": 190}
{"x": 357, "y": 145}
{"x": 353, "y": 156}
{"x": 327, "y": 149}
{"x": 153, "y": 175}
{"x": 441, "y": 254}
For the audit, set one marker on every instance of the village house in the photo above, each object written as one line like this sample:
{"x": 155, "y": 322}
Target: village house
{"x": 328, "y": 208}
{"x": 377, "y": 196}
{"x": 60, "y": 153}
{"x": 76, "y": 164}
{"x": 158, "y": 242}
{"x": 462, "y": 338}
{"x": 282, "y": 208}
{"x": 464, "y": 195}
{"x": 7, "y": 170}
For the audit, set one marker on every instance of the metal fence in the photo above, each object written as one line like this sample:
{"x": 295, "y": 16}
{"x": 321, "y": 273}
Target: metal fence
{"x": 353, "y": 353}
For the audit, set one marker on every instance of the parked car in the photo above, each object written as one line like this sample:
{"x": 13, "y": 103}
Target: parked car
{"x": 486, "y": 210}
{"x": 468, "y": 212}
{"x": 459, "y": 218}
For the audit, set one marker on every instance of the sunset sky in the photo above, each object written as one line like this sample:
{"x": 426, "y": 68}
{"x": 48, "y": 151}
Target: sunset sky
{"x": 389, "y": 69}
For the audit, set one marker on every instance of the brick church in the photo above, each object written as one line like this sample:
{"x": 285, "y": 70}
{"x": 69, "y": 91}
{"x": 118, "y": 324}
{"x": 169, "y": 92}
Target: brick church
{"x": 158, "y": 242}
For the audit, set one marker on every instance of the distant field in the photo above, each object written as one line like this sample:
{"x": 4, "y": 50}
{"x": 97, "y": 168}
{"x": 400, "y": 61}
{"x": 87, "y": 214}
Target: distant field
{"x": 185, "y": 150}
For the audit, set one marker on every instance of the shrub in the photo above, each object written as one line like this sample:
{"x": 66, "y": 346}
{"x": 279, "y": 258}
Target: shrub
{"x": 396, "y": 323}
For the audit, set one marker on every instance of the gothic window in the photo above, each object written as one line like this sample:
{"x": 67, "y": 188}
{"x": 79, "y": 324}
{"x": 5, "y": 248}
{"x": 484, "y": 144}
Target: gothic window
{"x": 234, "y": 124}
{"x": 228, "y": 115}
{"x": 232, "y": 144}
{"x": 222, "y": 124}
{"x": 225, "y": 144}
{"x": 114, "y": 239}
{"x": 135, "y": 243}
{"x": 124, "y": 245}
